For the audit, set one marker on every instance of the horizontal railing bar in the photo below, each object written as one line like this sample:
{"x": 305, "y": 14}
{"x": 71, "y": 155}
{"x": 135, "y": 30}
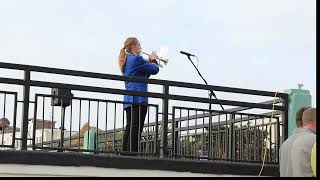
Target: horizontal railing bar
{"x": 95, "y": 89}
{"x": 94, "y": 151}
{"x": 215, "y": 114}
{"x": 93, "y": 99}
{"x": 277, "y": 101}
{"x": 225, "y": 102}
{"x": 12, "y": 81}
{"x": 219, "y": 112}
{"x": 221, "y": 159}
{"x": 142, "y": 80}
{"x": 28, "y": 101}
{"x": 163, "y": 113}
{"x": 193, "y": 127}
{"x": 6, "y": 146}
{"x": 153, "y": 95}
{"x": 8, "y": 92}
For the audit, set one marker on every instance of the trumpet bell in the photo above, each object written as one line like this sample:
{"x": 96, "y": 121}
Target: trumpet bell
{"x": 163, "y": 53}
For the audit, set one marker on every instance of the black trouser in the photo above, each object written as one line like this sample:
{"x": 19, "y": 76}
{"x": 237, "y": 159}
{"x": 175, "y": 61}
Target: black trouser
{"x": 135, "y": 121}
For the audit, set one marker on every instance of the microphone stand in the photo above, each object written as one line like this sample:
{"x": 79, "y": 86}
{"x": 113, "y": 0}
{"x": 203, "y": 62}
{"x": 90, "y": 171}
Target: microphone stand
{"x": 211, "y": 92}
{"x": 210, "y": 96}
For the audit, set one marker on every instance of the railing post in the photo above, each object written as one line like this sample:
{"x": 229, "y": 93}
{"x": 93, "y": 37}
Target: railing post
{"x": 157, "y": 145}
{"x": 175, "y": 134}
{"x": 25, "y": 110}
{"x": 298, "y": 98}
{"x": 165, "y": 119}
{"x": 286, "y": 117}
{"x": 231, "y": 142}
{"x": 210, "y": 128}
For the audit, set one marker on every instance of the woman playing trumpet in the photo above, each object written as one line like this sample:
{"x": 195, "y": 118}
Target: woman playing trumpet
{"x": 133, "y": 65}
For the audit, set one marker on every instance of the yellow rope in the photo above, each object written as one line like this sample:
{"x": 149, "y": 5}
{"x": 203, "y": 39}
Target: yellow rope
{"x": 265, "y": 149}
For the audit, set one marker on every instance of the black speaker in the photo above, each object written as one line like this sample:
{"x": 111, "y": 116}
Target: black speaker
{"x": 65, "y": 100}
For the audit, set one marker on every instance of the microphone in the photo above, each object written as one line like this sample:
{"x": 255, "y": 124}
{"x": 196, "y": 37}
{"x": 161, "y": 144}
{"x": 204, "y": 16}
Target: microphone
{"x": 187, "y": 54}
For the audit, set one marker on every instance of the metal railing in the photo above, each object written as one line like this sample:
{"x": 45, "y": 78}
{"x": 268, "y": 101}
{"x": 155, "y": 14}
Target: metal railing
{"x": 106, "y": 141}
{"x": 230, "y": 136}
{"x": 193, "y": 136}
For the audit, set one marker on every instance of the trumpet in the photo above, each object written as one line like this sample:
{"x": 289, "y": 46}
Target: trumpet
{"x": 165, "y": 61}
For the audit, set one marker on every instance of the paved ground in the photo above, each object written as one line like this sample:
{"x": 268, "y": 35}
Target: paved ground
{"x": 35, "y": 170}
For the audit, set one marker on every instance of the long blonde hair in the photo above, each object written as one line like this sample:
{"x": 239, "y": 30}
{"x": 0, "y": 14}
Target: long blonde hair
{"x": 131, "y": 41}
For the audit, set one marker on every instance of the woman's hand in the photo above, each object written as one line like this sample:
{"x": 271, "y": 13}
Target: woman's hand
{"x": 154, "y": 62}
{"x": 153, "y": 56}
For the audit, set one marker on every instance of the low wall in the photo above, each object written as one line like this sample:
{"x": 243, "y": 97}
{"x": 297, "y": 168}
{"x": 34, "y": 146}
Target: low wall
{"x": 122, "y": 166}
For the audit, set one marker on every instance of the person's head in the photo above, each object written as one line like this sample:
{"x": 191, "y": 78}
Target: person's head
{"x": 309, "y": 118}
{"x": 131, "y": 45}
{"x": 299, "y": 117}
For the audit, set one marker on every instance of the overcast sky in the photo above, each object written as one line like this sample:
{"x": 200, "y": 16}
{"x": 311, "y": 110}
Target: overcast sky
{"x": 256, "y": 44}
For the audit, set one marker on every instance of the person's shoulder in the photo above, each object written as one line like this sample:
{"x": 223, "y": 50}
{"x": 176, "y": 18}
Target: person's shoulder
{"x": 139, "y": 60}
{"x": 286, "y": 144}
{"x": 134, "y": 60}
{"x": 307, "y": 135}
{"x": 131, "y": 57}
{"x": 304, "y": 139}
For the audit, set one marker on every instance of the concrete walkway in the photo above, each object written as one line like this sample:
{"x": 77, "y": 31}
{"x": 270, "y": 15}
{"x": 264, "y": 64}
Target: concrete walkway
{"x": 36, "y": 170}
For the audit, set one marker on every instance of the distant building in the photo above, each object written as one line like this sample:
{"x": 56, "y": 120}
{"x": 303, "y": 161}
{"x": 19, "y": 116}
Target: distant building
{"x": 45, "y": 131}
